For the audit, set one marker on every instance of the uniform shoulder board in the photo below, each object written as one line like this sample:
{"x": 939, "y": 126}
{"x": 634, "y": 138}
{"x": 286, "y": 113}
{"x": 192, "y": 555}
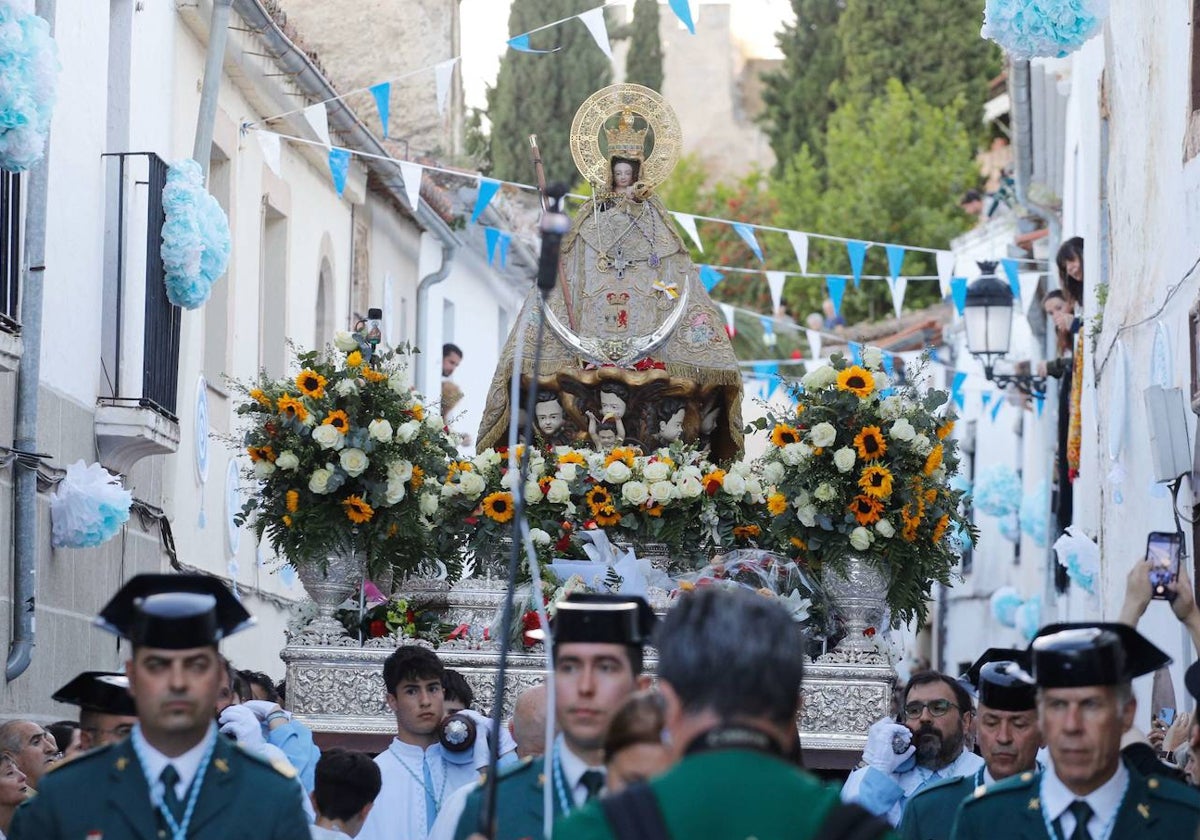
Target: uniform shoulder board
{"x": 276, "y": 763}
{"x": 1171, "y": 790}
{"x": 513, "y": 769}
{"x": 283, "y": 768}
{"x": 90, "y": 757}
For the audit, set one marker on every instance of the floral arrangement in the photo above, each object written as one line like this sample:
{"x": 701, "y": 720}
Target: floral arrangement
{"x": 195, "y": 236}
{"x": 394, "y": 616}
{"x": 1042, "y": 28}
{"x": 29, "y": 66}
{"x": 863, "y": 466}
{"x": 347, "y": 458}
{"x": 765, "y": 573}
{"x": 88, "y": 508}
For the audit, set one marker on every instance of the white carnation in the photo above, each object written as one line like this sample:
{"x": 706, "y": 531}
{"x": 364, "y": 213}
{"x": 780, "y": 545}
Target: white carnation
{"x": 428, "y": 503}
{"x": 823, "y": 434}
{"x": 844, "y": 459}
{"x": 822, "y": 377}
{"x": 860, "y": 538}
{"x": 354, "y": 462}
{"x": 344, "y": 341}
{"x": 773, "y": 472}
{"x": 380, "y": 430}
{"x": 318, "y": 482}
{"x": 327, "y": 437}
{"x": 434, "y": 421}
{"x": 558, "y": 492}
{"x": 471, "y": 484}
{"x": 398, "y": 382}
{"x": 617, "y": 472}
{"x": 346, "y": 388}
{"x": 635, "y": 492}
{"x": 408, "y": 431}
{"x": 885, "y": 529}
{"x": 922, "y": 445}
{"x": 656, "y": 471}
{"x": 263, "y": 469}
{"x": 287, "y": 460}
{"x": 807, "y": 514}
{"x": 902, "y": 430}
{"x": 567, "y": 472}
{"x": 733, "y": 484}
{"x": 891, "y": 407}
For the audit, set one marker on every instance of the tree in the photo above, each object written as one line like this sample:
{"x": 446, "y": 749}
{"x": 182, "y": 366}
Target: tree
{"x": 643, "y": 66}
{"x": 798, "y": 97}
{"x": 539, "y": 94}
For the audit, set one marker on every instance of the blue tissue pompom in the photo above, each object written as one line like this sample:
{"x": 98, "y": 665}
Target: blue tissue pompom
{"x": 1005, "y": 602}
{"x": 29, "y": 69}
{"x": 195, "y": 236}
{"x": 998, "y": 491}
{"x": 1029, "y": 617}
{"x": 1042, "y": 28}
{"x": 1035, "y": 514}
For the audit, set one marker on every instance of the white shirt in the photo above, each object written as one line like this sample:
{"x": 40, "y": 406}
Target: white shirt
{"x": 319, "y": 833}
{"x": 573, "y": 768}
{"x": 186, "y": 765}
{"x": 1104, "y": 801}
{"x": 399, "y": 812}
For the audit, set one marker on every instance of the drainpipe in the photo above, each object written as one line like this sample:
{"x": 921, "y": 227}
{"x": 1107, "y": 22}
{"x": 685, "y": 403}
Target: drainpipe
{"x": 428, "y": 281}
{"x": 218, "y": 35}
{"x": 25, "y": 530}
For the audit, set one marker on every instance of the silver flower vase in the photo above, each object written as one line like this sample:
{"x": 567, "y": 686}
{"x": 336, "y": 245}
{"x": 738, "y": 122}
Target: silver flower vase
{"x": 858, "y": 589}
{"x": 329, "y": 585}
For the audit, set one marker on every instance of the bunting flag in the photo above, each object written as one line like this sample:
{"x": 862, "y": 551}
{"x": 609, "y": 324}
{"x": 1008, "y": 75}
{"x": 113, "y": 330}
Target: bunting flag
{"x": 487, "y": 191}
{"x": 889, "y": 363}
{"x": 411, "y": 173}
{"x": 444, "y": 75}
{"x": 593, "y": 19}
{"x": 956, "y": 392}
{"x": 775, "y": 281}
{"x": 855, "y": 352}
{"x": 383, "y": 102}
{"x": 768, "y": 373}
{"x": 710, "y": 277}
{"x": 958, "y": 290}
{"x": 727, "y": 311}
{"x": 1040, "y": 399}
{"x": 683, "y": 11}
{"x": 996, "y": 406}
{"x": 895, "y": 258}
{"x": 1029, "y": 285}
{"x": 1010, "y": 269}
{"x": 899, "y": 287}
{"x": 318, "y": 121}
{"x": 747, "y": 233}
{"x": 985, "y": 400}
{"x": 768, "y": 327}
{"x": 520, "y": 43}
{"x": 268, "y": 141}
{"x": 837, "y": 288}
{"x": 800, "y": 246}
{"x": 688, "y": 223}
{"x": 339, "y": 167}
{"x": 945, "y": 270}
{"x": 497, "y": 240}
{"x": 857, "y": 251}
{"x": 814, "y": 342}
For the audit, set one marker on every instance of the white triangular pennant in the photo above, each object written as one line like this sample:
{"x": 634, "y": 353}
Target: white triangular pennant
{"x": 814, "y": 342}
{"x": 318, "y": 120}
{"x": 1029, "y": 284}
{"x": 268, "y": 141}
{"x": 899, "y": 287}
{"x": 412, "y": 181}
{"x": 945, "y": 270}
{"x": 800, "y": 246}
{"x": 688, "y": 223}
{"x": 443, "y": 73}
{"x": 775, "y": 281}
{"x": 727, "y": 311}
{"x": 593, "y": 19}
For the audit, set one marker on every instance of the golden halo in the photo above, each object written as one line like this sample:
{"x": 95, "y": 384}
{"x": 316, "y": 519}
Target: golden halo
{"x": 601, "y": 108}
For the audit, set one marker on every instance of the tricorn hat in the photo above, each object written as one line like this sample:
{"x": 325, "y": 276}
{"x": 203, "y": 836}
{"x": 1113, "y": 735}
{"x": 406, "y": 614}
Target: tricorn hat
{"x": 1000, "y": 678}
{"x": 1093, "y": 653}
{"x": 98, "y": 691}
{"x": 175, "y": 612}
{"x": 613, "y": 619}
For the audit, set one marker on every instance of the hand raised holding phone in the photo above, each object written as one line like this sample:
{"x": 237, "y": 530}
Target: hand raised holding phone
{"x": 1162, "y": 559}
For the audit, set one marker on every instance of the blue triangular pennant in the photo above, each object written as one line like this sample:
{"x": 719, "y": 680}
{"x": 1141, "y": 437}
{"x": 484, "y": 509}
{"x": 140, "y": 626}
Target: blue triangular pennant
{"x": 996, "y": 407}
{"x": 1040, "y": 399}
{"x": 858, "y": 252}
{"x": 505, "y": 242}
{"x": 493, "y": 238}
{"x": 855, "y": 352}
{"x": 958, "y": 291}
{"x": 933, "y": 355}
{"x": 487, "y": 191}
{"x": 339, "y": 166}
{"x": 895, "y": 258}
{"x": 1014, "y": 282}
{"x": 985, "y": 398}
{"x": 520, "y": 43}
{"x": 747, "y": 233}
{"x": 889, "y": 364}
{"x": 710, "y": 277}
{"x": 837, "y": 288}
{"x": 683, "y": 11}
{"x": 383, "y": 100}
{"x": 956, "y": 393}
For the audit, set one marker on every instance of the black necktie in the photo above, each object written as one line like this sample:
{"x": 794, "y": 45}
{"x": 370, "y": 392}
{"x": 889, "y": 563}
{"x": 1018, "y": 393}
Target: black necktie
{"x": 592, "y": 781}
{"x": 1082, "y": 813}
{"x": 170, "y": 778}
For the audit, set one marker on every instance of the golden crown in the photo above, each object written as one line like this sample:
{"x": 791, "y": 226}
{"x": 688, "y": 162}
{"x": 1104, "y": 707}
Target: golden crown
{"x": 624, "y": 141}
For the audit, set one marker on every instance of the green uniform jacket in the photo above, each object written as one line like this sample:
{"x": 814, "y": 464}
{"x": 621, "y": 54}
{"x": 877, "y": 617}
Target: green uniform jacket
{"x": 929, "y": 815}
{"x": 1152, "y": 808}
{"x": 725, "y": 795}
{"x": 519, "y": 804}
{"x": 103, "y": 795}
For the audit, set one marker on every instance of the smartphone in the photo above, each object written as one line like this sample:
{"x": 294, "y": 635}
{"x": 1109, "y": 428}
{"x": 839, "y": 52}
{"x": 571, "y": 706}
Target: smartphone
{"x": 1162, "y": 560}
{"x": 1167, "y": 715}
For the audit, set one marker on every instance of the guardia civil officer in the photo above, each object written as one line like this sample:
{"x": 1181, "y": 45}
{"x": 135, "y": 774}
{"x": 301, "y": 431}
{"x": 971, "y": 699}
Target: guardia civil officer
{"x": 106, "y": 711}
{"x": 1085, "y": 703}
{"x": 174, "y": 777}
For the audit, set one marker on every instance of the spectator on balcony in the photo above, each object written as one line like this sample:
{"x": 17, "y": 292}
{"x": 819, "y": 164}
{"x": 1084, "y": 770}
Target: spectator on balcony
{"x": 1070, "y": 277}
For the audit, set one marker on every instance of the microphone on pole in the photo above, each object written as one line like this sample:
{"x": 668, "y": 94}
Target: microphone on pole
{"x": 554, "y": 224}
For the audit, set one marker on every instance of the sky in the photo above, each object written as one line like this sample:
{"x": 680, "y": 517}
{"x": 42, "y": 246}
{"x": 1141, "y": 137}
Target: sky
{"x": 485, "y": 31}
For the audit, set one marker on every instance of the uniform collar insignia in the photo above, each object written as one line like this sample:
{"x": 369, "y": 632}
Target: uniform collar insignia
{"x": 121, "y": 762}
{"x": 1035, "y": 804}
{"x": 221, "y": 764}
{"x": 1144, "y": 810}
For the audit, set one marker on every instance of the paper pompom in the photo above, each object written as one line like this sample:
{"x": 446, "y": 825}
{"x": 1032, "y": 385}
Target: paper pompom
{"x": 1028, "y": 617}
{"x": 1042, "y": 28}
{"x": 88, "y": 508}
{"x": 195, "y": 236}
{"x": 998, "y": 491}
{"x": 1035, "y": 514}
{"x": 29, "y": 70}
{"x": 1004, "y": 602}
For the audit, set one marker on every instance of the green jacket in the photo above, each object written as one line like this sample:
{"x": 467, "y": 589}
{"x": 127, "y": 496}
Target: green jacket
{"x": 519, "y": 803}
{"x": 725, "y": 794}
{"x": 1152, "y": 808}
{"x": 929, "y": 815}
{"x": 103, "y": 794}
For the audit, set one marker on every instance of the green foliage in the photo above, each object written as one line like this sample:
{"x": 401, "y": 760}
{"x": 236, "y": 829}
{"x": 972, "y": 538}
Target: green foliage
{"x": 539, "y": 94}
{"x": 893, "y": 172}
{"x": 644, "y": 64}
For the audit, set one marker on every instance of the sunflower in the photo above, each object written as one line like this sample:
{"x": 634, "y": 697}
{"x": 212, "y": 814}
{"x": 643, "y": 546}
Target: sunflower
{"x": 934, "y": 460}
{"x": 870, "y": 443}
{"x": 911, "y": 522}
{"x": 713, "y": 481}
{"x": 876, "y": 481}
{"x": 292, "y": 408}
{"x": 784, "y": 434}
{"x": 287, "y": 520}
{"x": 798, "y": 543}
{"x": 865, "y": 509}
{"x": 260, "y": 397}
{"x": 620, "y": 453}
{"x": 354, "y": 359}
{"x": 498, "y": 506}
{"x": 357, "y": 510}
{"x": 598, "y": 498}
{"x": 571, "y": 457}
{"x": 939, "y": 530}
{"x": 857, "y": 381}
{"x": 418, "y": 477}
{"x": 261, "y": 453}
{"x": 372, "y": 375}
{"x": 945, "y": 429}
{"x": 455, "y": 468}
{"x": 930, "y": 495}
{"x": 776, "y": 504}
{"x": 338, "y": 419}
{"x": 746, "y": 532}
{"x": 292, "y": 501}
{"x": 607, "y": 516}
{"x": 311, "y": 383}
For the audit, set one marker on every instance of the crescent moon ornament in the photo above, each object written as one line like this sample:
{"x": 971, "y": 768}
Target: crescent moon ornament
{"x": 605, "y": 112}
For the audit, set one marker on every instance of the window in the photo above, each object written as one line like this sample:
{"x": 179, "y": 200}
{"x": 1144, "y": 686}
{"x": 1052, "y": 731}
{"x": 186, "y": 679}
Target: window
{"x": 10, "y": 250}
{"x": 272, "y": 301}
{"x": 325, "y": 307}
{"x": 447, "y": 321}
{"x": 160, "y": 354}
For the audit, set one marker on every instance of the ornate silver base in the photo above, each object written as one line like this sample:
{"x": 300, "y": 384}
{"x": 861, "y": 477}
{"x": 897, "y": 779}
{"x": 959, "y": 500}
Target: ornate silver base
{"x": 859, "y": 591}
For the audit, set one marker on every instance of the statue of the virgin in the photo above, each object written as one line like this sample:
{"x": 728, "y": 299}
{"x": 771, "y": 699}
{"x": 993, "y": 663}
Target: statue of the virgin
{"x": 630, "y": 324}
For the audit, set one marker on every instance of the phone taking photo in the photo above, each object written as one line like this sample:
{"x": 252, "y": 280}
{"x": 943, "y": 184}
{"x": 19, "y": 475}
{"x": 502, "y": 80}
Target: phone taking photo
{"x": 1162, "y": 561}
{"x": 1166, "y": 715}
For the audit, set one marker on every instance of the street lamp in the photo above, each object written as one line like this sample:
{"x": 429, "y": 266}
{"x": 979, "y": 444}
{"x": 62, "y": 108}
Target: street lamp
{"x": 987, "y": 316}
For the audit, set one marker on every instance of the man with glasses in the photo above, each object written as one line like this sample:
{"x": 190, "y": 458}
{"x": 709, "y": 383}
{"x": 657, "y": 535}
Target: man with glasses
{"x": 32, "y": 748}
{"x": 923, "y": 747}
{"x": 106, "y": 711}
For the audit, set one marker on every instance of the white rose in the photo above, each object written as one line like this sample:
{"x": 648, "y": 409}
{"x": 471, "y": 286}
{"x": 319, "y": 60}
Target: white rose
{"x": 656, "y": 471}
{"x": 400, "y": 470}
{"x": 860, "y": 538}
{"x": 617, "y": 472}
{"x": 471, "y": 484}
{"x": 824, "y": 492}
{"x": 902, "y": 430}
{"x": 509, "y": 480}
{"x": 754, "y": 488}
{"x": 380, "y": 430}
{"x": 690, "y": 487}
{"x": 395, "y": 491}
{"x": 801, "y": 498}
{"x": 398, "y": 382}
{"x": 823, "y": 434}
{"x": 428, "y": 503}
{"x": 567, "y": 472}
{"x": 807, "y": 514}
{"x": 733, "y": 484}
{"x": 346, "y": 388}
{"x": 408, "y": 431}
{"x": 885, "y": 528}
{"x": 872, "y": 358}
{"x": 773, "y": 472}
{"x": 687, "y": 472}
{"x": 344, "y": 341}
{"x": 327, "y": 437}
{"x": 635, "y": 492}
{"x": 741, "y": 468}
{"x": 662, "y": 491}
{"x": 922, "y": 445}
{"x": 938, "y": 475}
{"x": 558, "y": 492}
{"x": 822, "y": 377}
{"x": 486, "y": 459}
{"x": 882, "y": 382}
{"x": 891, "y": 407}
{"x": 794, "y": 454}
{"x": 539, "y": 537}
{"x": 450, "y": 489}
{"x": 318, "y": 482}
{"x": 844, "y": 458}
{"x": 533, "y": 492}
{"x": 434, "y": 421}
{"x": 263, "y": 469}
{"x": 287, "y": 460}
{"x": 354, "y": 462}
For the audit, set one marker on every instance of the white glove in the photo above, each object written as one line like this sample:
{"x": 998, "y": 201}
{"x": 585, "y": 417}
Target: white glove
{"x": 242, "y": 724}
{"x": 262, "y": 708}
{"x": 483, "y": 727}
{"x": 880, "y": 752}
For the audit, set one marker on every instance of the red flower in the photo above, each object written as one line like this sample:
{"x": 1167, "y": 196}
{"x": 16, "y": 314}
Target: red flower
{"x": 649, "y": 364}
{"x": 563, "y": 543}
{"x": 377, "y": 629}
{"x": 410, "y": 617}
{"x": 529, "y": 622}
{"x": 869, "y": 632}
{"x": 472, "y": 520}
{"x": 460, "y": 631}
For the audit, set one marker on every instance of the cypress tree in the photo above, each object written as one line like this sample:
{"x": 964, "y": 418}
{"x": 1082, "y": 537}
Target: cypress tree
{"x": 644, "y": 63}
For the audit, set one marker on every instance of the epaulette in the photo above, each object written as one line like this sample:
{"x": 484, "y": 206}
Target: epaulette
{"x": 512, "y": 770}
{"x": 1019, "y": 782}
{"x": 99, "y": 754}
{"x": 277, "y": 764}
{"x": 1173, "y": 791}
